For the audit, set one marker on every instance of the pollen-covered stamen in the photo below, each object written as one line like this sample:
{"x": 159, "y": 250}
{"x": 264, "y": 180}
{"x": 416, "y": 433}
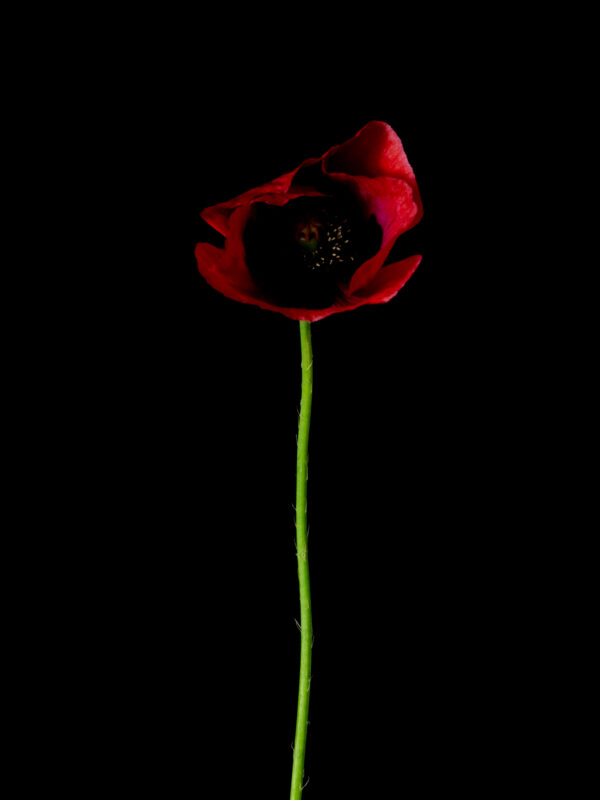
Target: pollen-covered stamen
{"x": 326, "y": 241}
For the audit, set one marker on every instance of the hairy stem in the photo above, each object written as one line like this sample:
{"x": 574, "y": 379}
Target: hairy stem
{"x": 302, "y": 554}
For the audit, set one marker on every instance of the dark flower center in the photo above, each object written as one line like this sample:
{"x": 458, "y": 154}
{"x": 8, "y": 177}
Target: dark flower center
{"x": 300, "y": 253}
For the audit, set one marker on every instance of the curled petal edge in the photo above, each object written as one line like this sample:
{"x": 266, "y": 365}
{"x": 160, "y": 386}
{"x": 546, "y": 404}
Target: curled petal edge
{"x": 276, "y": 192}
{"x": 386, "y": 284}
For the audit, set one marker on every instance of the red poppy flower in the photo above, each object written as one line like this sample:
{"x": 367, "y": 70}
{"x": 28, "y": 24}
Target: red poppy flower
{"x": 313, "y": 242}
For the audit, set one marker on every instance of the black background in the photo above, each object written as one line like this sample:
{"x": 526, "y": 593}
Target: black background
{"x": 186, "y": 665}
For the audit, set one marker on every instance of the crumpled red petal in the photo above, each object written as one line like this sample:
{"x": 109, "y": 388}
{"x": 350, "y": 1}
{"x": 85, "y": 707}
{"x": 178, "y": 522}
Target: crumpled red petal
{"x": 375, "y": 151}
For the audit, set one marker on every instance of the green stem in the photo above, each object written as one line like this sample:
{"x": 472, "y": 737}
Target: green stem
{"x": 306, "y": 633}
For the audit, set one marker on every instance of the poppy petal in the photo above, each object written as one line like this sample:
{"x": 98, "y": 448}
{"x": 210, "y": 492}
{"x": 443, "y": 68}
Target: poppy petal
{"x": 376, "y": 150}
{"x": 386, "y": 284}
{"x": 219, "y": 268}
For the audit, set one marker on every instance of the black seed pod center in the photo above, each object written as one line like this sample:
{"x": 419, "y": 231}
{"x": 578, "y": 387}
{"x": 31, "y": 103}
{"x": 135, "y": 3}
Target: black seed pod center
{"x": 299, "y": 253}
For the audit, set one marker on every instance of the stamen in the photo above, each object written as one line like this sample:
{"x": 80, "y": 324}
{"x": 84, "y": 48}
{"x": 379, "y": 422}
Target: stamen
{"x": 299, "y": 253}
